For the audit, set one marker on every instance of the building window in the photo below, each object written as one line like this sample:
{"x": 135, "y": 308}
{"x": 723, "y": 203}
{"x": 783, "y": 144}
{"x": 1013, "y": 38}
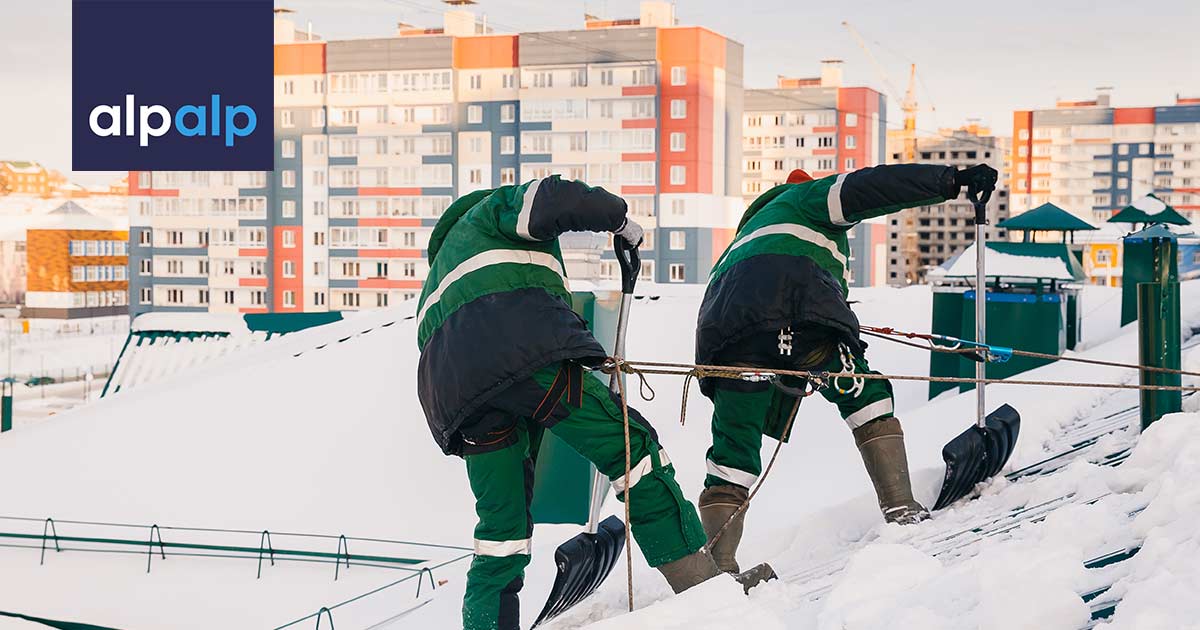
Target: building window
{"x": 288, "y": 148}
{"x": 678, "y": 175}
{"x": 851, "y": 142}
{"x": 145, "y": 238}
{"x": 318, "y": 298}
{"x": 318, "y": 238}
{"x": 606, "y": 77}
{"x": 474, "y": 114}
{"x": 678, "y": 141}
{"x": 289, "y": 238}
{"x": 850, "y": 164}
{"x": 851, "y": 120}
{"x": 381, "y": 299}
{"x": 677, "y": 207}
{"x": 289, "y": 179}
{"x": 318, "y": 117}
{"x": 679, "y": 75}
{"x": 678, "y": 108}
{"x": 285, "y": 118}
{"x": 476, "y": 81}
{"x": 288, "y": 209}
{"x": 508, "y": 113}
{"x": 146, "y": 295}
{"x": 507, "y": 80}
{"x": 350, "y": 299}
{"x": 677, "y": 273}
{"x": 475, "y": 176}
{"x": 508, "y": 145}
{"x": 289, "y": 269}
{"x": 508, "y": 176}
{"x": 678, "y": 240}
{"x": 202, "y": 296}
{"x": 289, "y": 299}
{"x": 145, "y": 267}
{"x": 228, "y": 297}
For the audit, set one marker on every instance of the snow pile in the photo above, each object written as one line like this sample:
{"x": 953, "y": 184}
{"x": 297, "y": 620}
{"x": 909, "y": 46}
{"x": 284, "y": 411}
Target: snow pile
{"x": 1032, "y": 579}
{"x": 1009, "y": 265}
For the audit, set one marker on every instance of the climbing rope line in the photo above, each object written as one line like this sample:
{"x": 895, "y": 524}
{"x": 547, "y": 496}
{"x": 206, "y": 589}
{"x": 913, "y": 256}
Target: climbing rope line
{"x": 891, "y": 334}
{"x": 751, "y": 373}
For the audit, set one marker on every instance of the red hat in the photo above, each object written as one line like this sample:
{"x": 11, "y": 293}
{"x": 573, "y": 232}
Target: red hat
{"x": 799, "y": 176}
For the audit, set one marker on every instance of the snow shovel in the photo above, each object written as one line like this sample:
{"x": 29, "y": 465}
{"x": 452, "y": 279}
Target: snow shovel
{"x": 585, "y": 561}
{"x": 982, "y": 450}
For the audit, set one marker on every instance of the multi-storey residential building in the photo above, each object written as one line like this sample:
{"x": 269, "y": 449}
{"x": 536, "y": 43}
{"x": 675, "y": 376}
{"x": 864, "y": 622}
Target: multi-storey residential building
{"x": 812, "y": 123}
{"x": 24, "y": 178}
{"x": 820, "y": 126}
{"x": 77, "y": 265}
{"x": 926, "y": 236}
{"x": 376, "y": 137}
{"x": 1092, "y": 159}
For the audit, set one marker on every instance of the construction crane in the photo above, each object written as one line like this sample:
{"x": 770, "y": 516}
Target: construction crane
{"x": 908, "y": 104}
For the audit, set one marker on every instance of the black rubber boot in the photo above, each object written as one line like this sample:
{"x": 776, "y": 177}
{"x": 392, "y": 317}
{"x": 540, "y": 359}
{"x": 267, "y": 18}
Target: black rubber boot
{"x": 689, "y": 571}
{"x": 881, "y": 443}
{"x": 717, "y": 505}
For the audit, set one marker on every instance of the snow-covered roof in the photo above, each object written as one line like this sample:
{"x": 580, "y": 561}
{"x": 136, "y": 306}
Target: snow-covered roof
{"x": 322, "y": 432}
{"x": 999, "y": 264}
{"x": 72, "y": 216}
{"x": 191, "y": 322}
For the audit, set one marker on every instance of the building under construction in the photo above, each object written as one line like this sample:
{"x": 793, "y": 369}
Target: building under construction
{"x": 927, "y": 236}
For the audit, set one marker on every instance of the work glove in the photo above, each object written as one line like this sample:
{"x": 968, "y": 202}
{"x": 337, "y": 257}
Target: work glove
{"x": 631, "y": 232}
{"x": 979, "y": 178}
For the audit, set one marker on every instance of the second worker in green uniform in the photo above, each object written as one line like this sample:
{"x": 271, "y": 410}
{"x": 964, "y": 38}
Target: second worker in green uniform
{"x": 777, "y": 299}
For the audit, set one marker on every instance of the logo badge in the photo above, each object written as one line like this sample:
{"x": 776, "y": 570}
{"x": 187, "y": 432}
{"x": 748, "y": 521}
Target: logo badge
{"x": 172, "y": 85}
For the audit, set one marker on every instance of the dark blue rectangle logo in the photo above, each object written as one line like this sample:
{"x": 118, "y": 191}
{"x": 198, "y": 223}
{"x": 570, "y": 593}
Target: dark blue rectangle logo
{"x": 172, "y": 85}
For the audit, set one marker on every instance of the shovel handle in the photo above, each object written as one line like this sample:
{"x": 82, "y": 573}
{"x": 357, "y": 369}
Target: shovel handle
{"x": 630, "y": 262}
{"x": 979, "y": 199}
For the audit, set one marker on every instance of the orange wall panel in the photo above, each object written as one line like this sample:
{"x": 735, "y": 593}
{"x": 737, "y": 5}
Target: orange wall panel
{"x": 493, "y": 51}
{"x": 1133, "y": 116}
{"x": 305, "y": 58}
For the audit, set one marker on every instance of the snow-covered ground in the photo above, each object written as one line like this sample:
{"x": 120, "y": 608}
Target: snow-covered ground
{"x": 320, "y": 432}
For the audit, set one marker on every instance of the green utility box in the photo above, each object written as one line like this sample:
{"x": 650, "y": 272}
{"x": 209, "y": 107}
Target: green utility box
{"x": 1034, "y": 321}
{"x": 562, "y": 481}
{"x": 1031, "y": 305}
{"x": 1151, "y": 255}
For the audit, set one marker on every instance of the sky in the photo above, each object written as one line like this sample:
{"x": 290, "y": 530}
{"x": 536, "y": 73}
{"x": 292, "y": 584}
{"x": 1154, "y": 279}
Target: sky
{"x": 974, "y": 59}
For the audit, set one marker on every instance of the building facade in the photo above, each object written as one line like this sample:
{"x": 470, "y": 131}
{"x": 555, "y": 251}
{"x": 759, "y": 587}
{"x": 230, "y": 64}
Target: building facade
{"x": 1093, "y": 159}
{"x": 24, "y": 178}
{"x": 376, "y": 137}
{"x": 924, "y": 237}
{"x": 77, "y": 266}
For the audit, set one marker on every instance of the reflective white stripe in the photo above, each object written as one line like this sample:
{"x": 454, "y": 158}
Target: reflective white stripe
{"x": 799, "y": 231}
{"x": 869, "y": 413}
{"x": 732, "y": 475}
{"x": 526, "y": 210}
{"x": 638, "y": 470}
{"x": 501, "y": 548}
{"x": 486, "y": 259}
{"x": 834, "y": 202}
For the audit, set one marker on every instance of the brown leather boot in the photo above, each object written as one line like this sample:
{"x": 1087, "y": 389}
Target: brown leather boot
{"x": 717, "y": 504}
{"x": 881, "y": 443}
{"x": 689, "y": 571}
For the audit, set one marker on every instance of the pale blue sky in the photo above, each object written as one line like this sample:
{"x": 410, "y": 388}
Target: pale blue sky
{"x": 976, "y": 59}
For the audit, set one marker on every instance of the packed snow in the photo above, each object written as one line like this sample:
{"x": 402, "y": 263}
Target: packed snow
{"x": 1008, "y": 265}
{"x": 320, "y": 432}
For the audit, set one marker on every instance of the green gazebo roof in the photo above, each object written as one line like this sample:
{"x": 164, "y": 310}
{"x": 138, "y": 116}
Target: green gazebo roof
{"x": 1137, "y": 212}
{"x": 1046, "y": 217}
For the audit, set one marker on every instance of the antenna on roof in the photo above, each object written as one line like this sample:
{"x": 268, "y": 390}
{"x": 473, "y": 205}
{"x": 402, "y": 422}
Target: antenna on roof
{"x": 459, "y": 3}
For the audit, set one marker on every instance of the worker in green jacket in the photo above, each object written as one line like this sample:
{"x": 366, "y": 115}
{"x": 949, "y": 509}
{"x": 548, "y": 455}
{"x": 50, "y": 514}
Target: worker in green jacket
{"x": 777, "y": 299}
{"x": 502, "y": 361}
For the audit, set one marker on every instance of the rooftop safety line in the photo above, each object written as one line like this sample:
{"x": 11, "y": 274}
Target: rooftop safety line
{"x": 821, "y": 378}
{"x": 890, "y": 334}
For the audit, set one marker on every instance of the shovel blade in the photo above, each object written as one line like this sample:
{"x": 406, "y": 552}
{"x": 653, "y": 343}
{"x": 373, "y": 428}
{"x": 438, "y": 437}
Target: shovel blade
{"x": 583, "y": 563}
{"x": 978, "y": 453}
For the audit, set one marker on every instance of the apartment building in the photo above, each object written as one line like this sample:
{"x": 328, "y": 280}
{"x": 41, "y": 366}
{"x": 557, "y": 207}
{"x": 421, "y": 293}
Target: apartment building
{"x": 375, "y": 138}
{"x": 815, "y": 124}
{"x": 1093, "y": 159}
{"x": 924, "y": 237}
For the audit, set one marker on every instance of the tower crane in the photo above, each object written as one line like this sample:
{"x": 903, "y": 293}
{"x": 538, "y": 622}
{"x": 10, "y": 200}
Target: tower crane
{"x": 908, "y": 104}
